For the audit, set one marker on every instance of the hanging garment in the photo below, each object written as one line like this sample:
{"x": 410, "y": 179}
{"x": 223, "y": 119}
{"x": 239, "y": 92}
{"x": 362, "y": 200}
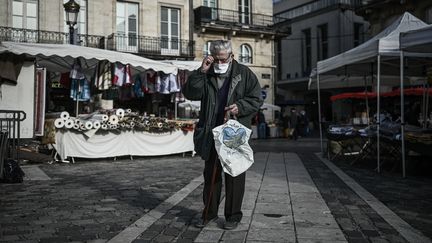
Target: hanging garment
{"x": 76, "y": 72}
{"x": 103, "y": 76}
{"x": 65, "y": 80}
{"x": 163, "y": 86}
{"x": 126, "y": 93}
{"x": 119, "y": 74}
{"x": 80, "y": 89}
{"x": 151, "y": 81}
{"x": 128, "y": 76}
{"x": 173, "y": 84}
{"x": 138, "y": 86}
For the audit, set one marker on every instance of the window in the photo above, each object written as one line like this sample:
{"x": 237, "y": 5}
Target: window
{"x": 170, "y": 30}
{"x": 213, "y": 4}
{"x": 206, "y": 49}
{"x": 127, "y": 26}
{"x": 24, "y": 14}
{"x": 306, "y": 52}
{"x": 244, "y": 11}
{"x": 322, "y": 42}
{"x": 358, "y": 34}
{"x": 81, "y": 26}
{"x": 245, "y": 54}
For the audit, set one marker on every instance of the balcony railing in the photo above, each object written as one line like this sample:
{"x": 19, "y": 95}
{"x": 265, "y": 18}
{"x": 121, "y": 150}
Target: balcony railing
{"x": 48, "y": 37}
{"x": 313, "y": 7}
{"x": 151, "y": 46}
{"x": 205, "y": 14}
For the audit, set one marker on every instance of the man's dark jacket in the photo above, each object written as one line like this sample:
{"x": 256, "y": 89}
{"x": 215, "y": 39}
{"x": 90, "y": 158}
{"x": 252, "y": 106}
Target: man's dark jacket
{"x": 244, "y": 90}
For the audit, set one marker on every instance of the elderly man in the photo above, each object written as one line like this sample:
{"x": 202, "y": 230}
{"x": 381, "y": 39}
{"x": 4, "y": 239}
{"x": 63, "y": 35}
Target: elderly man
{"x": 224, "y": 87}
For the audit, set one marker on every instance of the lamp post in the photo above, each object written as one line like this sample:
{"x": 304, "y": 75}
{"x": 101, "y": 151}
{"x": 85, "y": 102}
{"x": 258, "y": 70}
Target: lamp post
{"x": 72, "y": 9}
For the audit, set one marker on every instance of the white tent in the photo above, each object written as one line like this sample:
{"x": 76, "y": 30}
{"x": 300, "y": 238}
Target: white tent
{"x": 419, "y": 41}
{"x": 61, "y": 57}
{"x": 382, "y": 50}
{"x": 184, "y": 65}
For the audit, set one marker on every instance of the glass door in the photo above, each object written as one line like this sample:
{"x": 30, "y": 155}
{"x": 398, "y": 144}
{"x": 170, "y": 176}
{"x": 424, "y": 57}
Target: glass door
{"x": 170, "y": 31}
{"x": 127, "y": 27}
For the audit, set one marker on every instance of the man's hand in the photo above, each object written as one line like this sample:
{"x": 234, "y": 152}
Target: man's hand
{"x": 232, "y": 109}
{"x": 206, "y": 63}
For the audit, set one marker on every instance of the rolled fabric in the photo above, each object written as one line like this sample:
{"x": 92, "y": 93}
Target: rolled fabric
{"x": 78, "y": 121}
{"x": 88, "y": 125}
{"x": 69, "y": 123}
{"x": 59, "y": 123}
{"x": 132, "y": 124}
{"x": 76, "y": 126}
{"x": 96, "y": 124}
{"x": 159, "y": 124}
{"x": 82, "y": 127}
{"x": 120, "y": 113}
{"x": 122, "y": 124}
{"x": 104, "y": 126}
{"x": 64, "y": 115}
{"x": 114, "y": 126}
{"x": 128, "y": 111}
{"x": 100, "y": 117}
{"x": 114, "y": 119}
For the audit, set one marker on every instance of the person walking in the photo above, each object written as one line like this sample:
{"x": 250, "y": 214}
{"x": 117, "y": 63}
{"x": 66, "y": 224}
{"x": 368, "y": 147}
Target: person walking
{"x": 294, "y": 123}
{"x": 224, "y": 87}
{"x": 262, "y": 125}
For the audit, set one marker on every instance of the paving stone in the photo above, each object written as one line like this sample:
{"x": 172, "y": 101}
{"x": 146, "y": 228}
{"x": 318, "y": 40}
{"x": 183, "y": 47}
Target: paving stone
{"x": 278, "y": 235}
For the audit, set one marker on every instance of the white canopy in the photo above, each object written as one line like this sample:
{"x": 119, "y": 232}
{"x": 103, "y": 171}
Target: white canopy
{"x": 417, "y": 40}
{"x": 357, "y": 61}
{"x": 184, "y": 65}
{"x": 62, "y": 56}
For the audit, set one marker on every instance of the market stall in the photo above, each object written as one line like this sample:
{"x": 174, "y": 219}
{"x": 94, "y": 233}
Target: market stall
{"x": 381, "y": 51}
{"x": 103, "y": 81}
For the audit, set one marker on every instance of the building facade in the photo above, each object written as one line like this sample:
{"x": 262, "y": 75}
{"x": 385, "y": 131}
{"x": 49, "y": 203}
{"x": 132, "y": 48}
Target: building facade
{"x": 157, "y": 29}
{"x": 248, "y": 24}
{"x": 318, "y": 30}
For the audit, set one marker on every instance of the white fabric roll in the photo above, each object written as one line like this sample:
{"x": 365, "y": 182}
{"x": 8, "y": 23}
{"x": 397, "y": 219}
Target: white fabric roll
{"x": 78, "y": 121}
{"x": 96, "y": 124}
{"x": 69, "y": 123}
{"x": 64, "y": 115}
{"x": 100, "y": 117}
{"x": 120, "y": 112}
{"x": 82, "y": 127}
{"x": 104, "y": 126}
{"x": 76, "y": 126}
{"x": 113, "y": 119}
{"x": 88, "y": 125}
{"x": 128, "y": 111}
{"x": 59, "y": 123}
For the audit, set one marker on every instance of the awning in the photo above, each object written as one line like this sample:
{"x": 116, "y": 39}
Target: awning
{"x": 353, "y": 95}
{"x": 61, "y": 57}
{"x": 417, "y": 40}
{"x": 184, "y": 65}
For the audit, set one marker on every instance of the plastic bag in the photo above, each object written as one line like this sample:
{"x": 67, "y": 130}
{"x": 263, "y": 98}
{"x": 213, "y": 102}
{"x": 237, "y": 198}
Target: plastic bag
{"x": 231, "y": 143}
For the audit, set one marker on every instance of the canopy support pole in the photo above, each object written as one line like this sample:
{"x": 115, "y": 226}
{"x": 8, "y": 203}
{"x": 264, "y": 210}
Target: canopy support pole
{"x": 367, "y": 100}
{"x": 402, "y": 100}
{"x": 378, "y": 111}
{"x": 319, "y": 115}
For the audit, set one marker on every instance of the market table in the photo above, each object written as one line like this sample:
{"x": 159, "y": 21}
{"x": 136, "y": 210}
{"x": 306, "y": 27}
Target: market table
{"x": 105, "y": 144}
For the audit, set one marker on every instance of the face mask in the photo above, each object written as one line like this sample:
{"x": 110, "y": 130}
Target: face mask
{"x": 221, "y": 67}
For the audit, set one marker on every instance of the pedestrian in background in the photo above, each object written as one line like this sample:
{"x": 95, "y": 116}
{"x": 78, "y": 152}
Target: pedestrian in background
{"x": 294, "y": 123}
{"x": 262, "y": 125}
{"x": 222, "y": 85}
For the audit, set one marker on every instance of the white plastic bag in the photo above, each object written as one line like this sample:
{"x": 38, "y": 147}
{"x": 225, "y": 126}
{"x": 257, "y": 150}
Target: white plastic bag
{"x": 231, "y": 143}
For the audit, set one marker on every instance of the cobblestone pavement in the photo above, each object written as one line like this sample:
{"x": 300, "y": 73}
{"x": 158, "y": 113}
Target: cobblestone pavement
{"x": 291, "y": 196}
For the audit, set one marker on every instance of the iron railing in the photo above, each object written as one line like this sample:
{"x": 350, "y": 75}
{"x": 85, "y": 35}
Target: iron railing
{"x": 153, "y": 46}
{"x": 205, "y": 14}
{"x": 48, "y": 37}
{"x": 10, "y": 127}
{"x": 313, "y": 7}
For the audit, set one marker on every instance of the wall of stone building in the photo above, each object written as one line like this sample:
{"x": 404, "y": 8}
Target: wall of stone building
{"x": 261, "y": 6}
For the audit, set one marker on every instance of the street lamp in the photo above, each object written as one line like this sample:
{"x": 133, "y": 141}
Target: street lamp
{"x": 72, "y": 9}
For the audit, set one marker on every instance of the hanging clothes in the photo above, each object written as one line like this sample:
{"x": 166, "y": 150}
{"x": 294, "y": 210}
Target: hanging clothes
{"x": 164, "y": 83}
{"x": 173, "y": 84}
{"x": 151, "y": 81}
{"x": 138, "y": 86}
{"x": 76, "y": 72}
{"x": 103, "y": 76}
{"x": 80, "y": 88}
{"x": 119, "y": 74}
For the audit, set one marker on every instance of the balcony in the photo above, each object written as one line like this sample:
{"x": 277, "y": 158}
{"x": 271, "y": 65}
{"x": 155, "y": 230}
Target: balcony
{"x": 229, "y": 20}
{"x": 152, "y": 47}
{"x": 48, "y": 37}
{"x": 313, "y": 7}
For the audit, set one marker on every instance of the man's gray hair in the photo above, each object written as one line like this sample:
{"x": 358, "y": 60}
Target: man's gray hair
{"x": 220, "y": 45}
